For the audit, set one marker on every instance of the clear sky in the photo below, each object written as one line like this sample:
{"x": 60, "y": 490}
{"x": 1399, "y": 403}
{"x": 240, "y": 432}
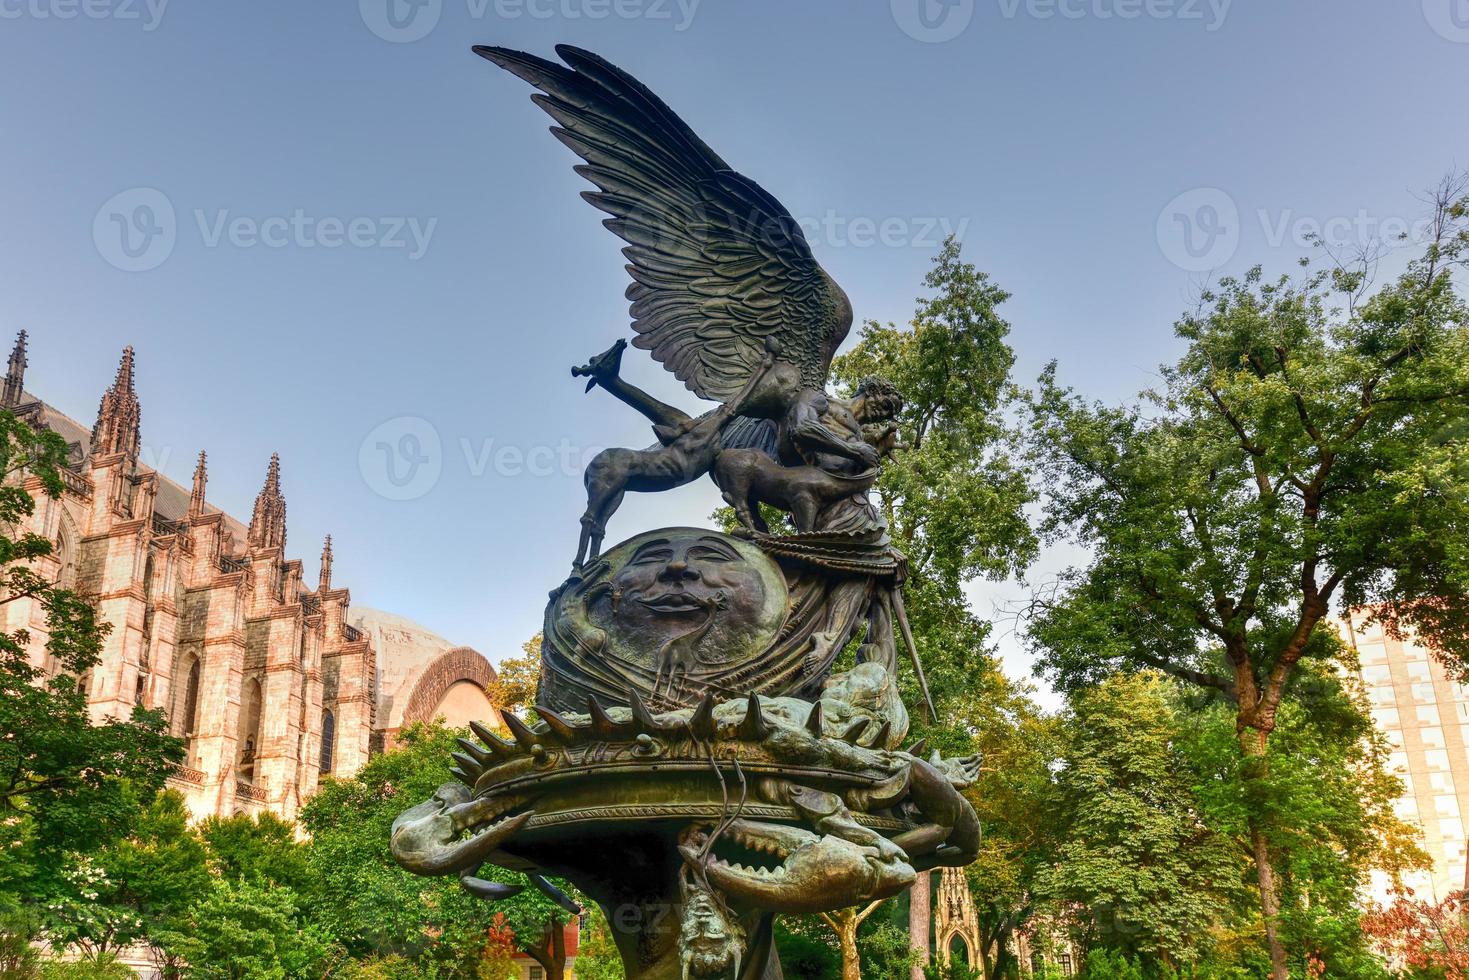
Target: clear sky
{"x": 332, "y": 232}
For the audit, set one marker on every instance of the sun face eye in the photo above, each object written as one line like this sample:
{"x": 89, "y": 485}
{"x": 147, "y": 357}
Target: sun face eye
{"x": 653, "y": 556}
{"x": 712, "y": 551}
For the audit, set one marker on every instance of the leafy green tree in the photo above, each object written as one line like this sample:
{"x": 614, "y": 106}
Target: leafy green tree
{"x": 1328, "y": 805}
{"x": 374, "y": 907}
{"x": 1305, "y": 451}
{"x": 952, "y": 494}
{"x": 262, "y": 849}
{"x": 244, "y": 930}
{"x": 136, "y": 885}
{"x": 66, "y": 785}
{"x": 517, "y": 678}
{"x": 1138, "y": 868}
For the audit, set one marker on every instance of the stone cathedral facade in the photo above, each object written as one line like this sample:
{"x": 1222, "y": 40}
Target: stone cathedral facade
{"x": 271, "y": 682}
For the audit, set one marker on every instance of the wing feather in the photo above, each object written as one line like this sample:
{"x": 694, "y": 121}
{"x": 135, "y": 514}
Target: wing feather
{"x": 717, "y": 264}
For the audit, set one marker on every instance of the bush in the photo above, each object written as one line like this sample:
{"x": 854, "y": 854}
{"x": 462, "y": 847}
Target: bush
{"x": 102, "y": 968}
{"x": 1106, "y": 964}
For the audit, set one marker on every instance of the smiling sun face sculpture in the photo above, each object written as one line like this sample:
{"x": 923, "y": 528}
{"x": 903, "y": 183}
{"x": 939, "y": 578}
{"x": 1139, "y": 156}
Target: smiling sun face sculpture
{"x": 672, "y": 613}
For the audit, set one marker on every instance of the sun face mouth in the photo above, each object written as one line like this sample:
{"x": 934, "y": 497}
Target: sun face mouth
{"x": 676, "y": 603}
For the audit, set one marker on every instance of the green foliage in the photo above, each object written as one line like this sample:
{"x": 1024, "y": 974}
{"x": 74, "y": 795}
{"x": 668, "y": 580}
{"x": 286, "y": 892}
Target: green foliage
{"x": 1326, "y": 801}
{"x": 101, "y": 968}
{"x": 885, "y": 948}
{"x": 1305, "y": 453}
{"x": 262, "y": 849}
{"x": 807, "y": 948}
{"x": 597, "y": 957}
{"x": 247, "y": 931}
{"x": 1142, "y": 872}
{"x": 373, "y": 906}
{"x": 66, "y": 785}
{"x": 129, "y": 888}
{"x": 1111, "y": 964}
{"x": 953, "y": 495}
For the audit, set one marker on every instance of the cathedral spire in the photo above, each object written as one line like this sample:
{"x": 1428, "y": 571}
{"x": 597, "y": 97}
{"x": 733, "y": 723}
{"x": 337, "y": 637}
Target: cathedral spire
{"x": 15, "y": 377}
{"x": 201, "y": 478}
{"x": 268, "y": 522}
{"x": 325, "y": 581}
{"x": 118, "y": 416}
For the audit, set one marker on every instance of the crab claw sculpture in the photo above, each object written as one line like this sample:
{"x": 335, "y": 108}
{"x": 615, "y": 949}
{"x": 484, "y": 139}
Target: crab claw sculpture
{"x": 426, "y": 838}
{"x": 794, "y": 870}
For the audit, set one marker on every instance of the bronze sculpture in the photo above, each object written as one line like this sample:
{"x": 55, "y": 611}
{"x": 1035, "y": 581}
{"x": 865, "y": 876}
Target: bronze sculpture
{"x": 695, "y": 750}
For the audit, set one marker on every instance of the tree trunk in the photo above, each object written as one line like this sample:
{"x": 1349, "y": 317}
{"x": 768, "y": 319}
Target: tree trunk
{"x": 1257, "y": 766}
{"x": 851, "y": 963}
{"x": 551, "y": 953}
{"x": 920, "y": 905}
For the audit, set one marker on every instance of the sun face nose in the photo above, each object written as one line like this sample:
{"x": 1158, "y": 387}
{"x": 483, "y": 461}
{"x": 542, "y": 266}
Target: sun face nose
{"x": 679, "y": 570}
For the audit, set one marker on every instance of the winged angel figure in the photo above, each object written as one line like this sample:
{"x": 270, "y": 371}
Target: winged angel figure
{"x": 725, "y": 292}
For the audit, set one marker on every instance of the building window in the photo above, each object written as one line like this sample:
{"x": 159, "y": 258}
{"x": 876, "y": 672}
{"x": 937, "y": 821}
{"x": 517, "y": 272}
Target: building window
{"x": 1066, "y": 964}
{"x": 535, "y": 973}
{"x": 328, "y": 740}
{"x": 191, "y": 701}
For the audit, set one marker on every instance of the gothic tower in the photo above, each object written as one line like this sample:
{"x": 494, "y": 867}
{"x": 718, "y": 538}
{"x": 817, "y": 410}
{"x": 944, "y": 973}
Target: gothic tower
{"x": 118, "y": 417}
{"x": 16, "y": 375}
{"x": 268, "y": 521}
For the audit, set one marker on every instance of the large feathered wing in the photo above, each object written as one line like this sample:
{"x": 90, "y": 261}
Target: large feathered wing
{"x": 718, "y": 265}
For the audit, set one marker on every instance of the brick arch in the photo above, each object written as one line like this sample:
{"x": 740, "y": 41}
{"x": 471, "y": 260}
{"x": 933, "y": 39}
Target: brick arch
{"x": 448, "y": 669}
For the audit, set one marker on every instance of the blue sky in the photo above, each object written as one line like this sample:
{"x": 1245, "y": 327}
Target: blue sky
{"x": 352, "y": 242}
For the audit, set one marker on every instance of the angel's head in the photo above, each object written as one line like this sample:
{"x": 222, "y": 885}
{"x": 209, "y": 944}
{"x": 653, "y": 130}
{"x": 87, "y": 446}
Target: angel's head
{"x": 876, "y": 400}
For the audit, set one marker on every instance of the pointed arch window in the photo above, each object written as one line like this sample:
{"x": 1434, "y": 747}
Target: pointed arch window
{"x": 328, "y": 741}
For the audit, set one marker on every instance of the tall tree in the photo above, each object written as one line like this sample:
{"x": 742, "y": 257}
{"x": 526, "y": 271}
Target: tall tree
{"x": 1140, "y": 869}
{"x": 954, "y": 497}
{"x": 1305, "y": 451}
{"x": 66, "y": 786}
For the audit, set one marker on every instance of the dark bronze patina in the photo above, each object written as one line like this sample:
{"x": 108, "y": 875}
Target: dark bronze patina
{"x": 696, "y": 767}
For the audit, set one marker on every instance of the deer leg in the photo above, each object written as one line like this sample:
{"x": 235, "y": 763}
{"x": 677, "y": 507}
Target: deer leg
{"x": 804, "y": 511}
{"x": 757, "y": 519}
{"x": 602, "y": 515}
